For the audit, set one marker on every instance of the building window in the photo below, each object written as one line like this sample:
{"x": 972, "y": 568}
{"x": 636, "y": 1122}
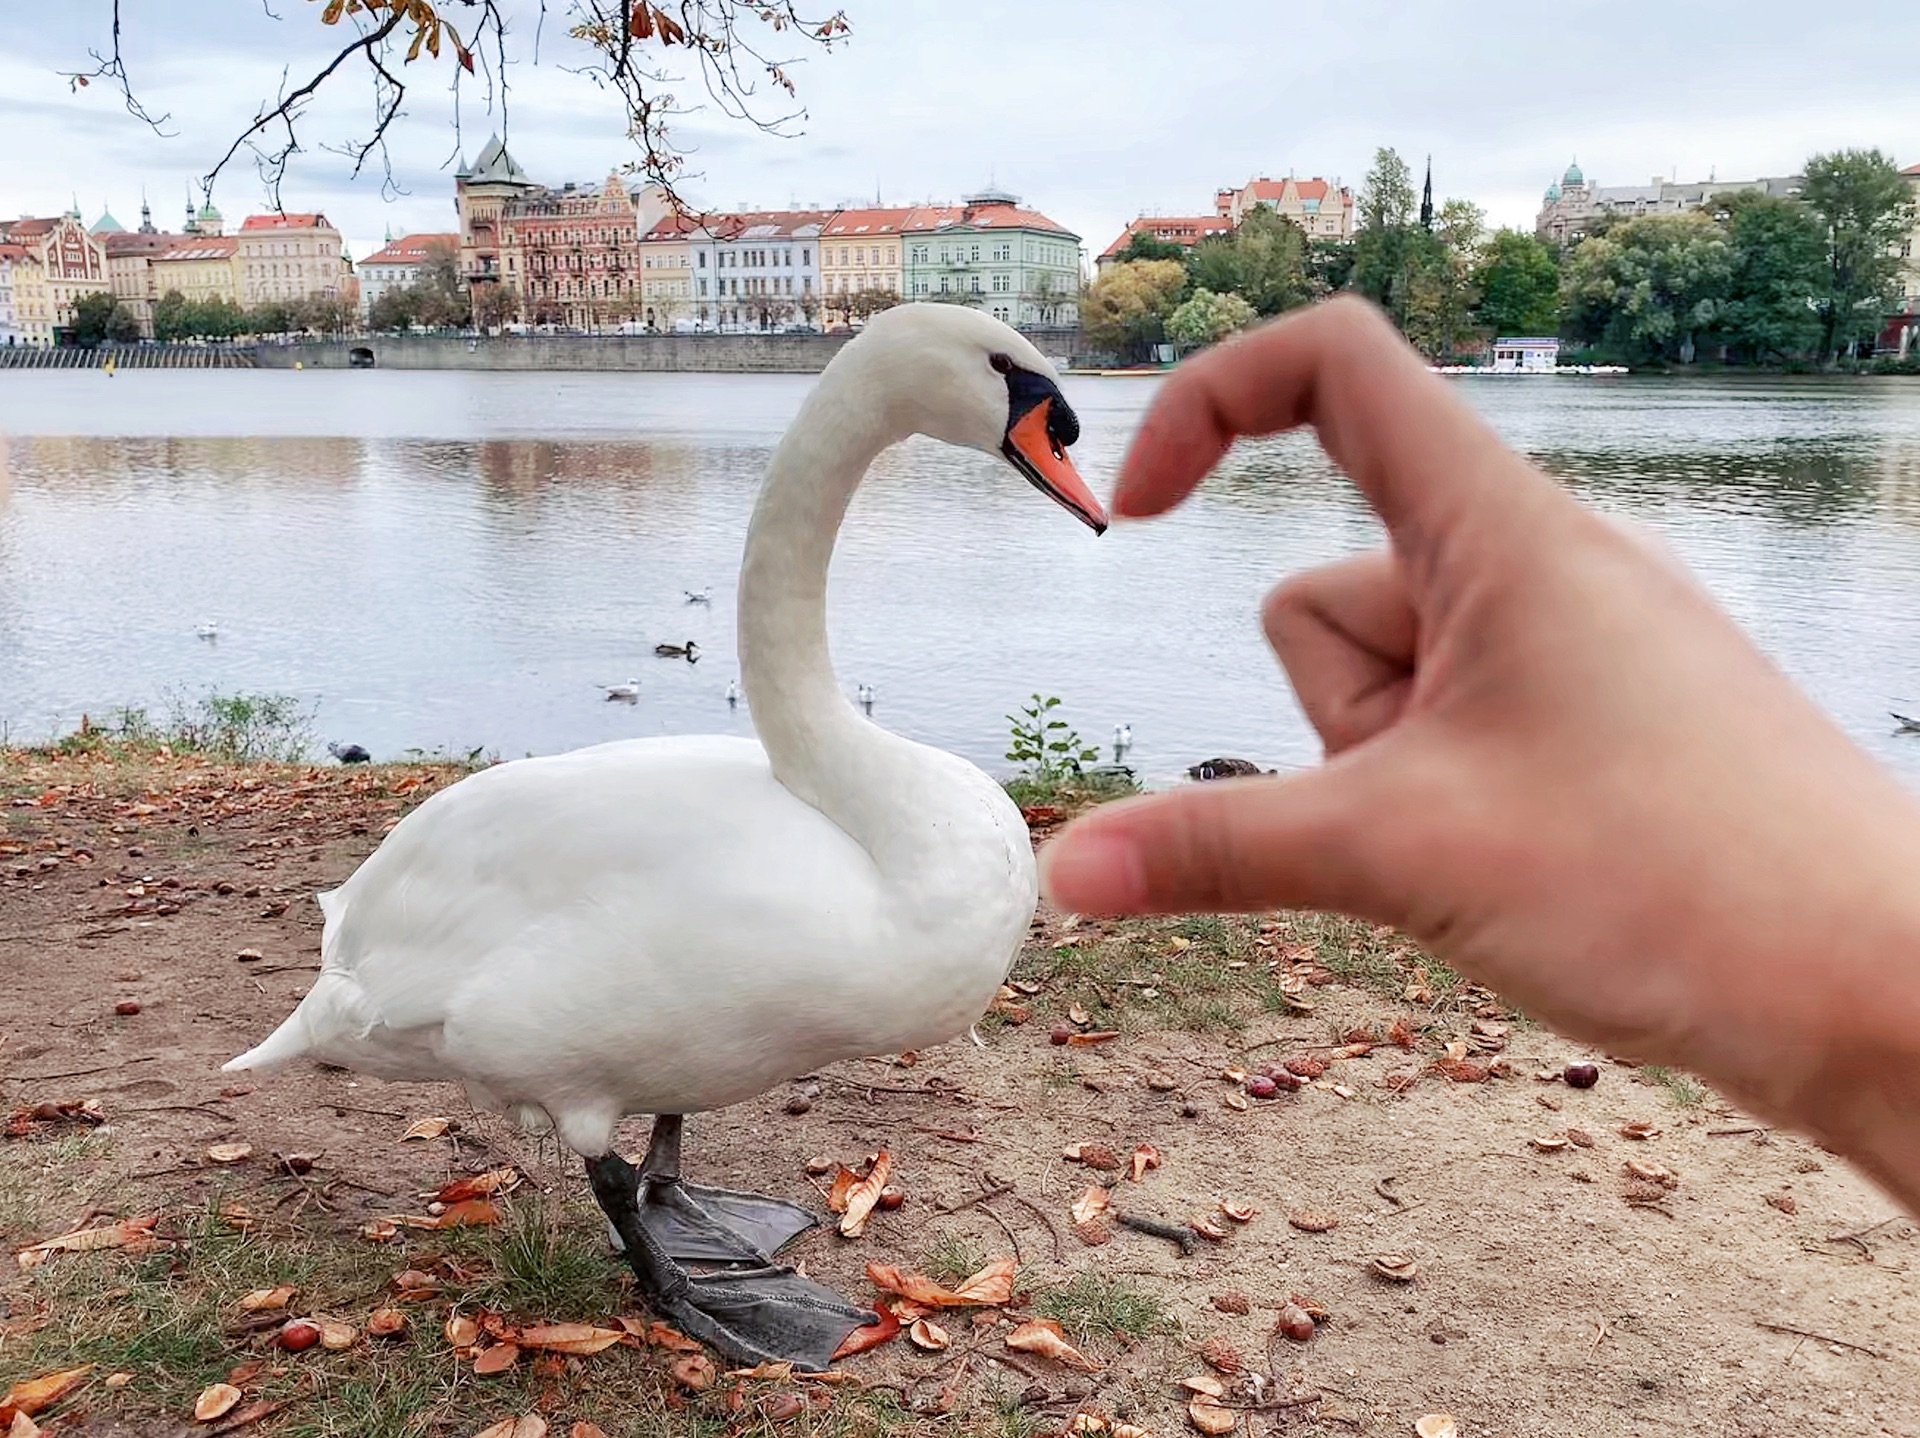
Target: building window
{"x": 975, "y": 254}
{"x": 976, "y": 284}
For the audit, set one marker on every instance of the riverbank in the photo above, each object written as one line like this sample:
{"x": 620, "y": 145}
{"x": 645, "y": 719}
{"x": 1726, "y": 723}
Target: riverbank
{"x": 156, "y": 916}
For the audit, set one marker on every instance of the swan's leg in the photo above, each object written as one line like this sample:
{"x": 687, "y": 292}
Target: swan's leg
{"x": 758, "y": 1314}
{"x": 709, "y": 1225}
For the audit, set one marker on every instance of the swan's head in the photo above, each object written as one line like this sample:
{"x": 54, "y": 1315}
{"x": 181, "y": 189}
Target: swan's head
{"x": 963, "y": 377}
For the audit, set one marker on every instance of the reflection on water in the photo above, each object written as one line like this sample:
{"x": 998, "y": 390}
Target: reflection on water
{"x": 460, "y": 560}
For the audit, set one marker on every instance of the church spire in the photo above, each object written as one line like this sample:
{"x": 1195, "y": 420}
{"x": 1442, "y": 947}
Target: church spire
{"x": 1426, "y": 199}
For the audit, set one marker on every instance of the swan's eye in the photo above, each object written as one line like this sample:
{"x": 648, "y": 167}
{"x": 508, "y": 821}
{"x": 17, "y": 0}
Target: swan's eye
{"x": 1001, "y": 363}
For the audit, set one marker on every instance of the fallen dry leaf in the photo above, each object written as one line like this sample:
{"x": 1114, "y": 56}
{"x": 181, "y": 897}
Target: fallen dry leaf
{"x": 1653, "y": 1173}
{"x": 248, "y": 1414}
{"x": 527, "y": 1425}
{"x": 581, "y": 1339}
{"x": 695, "y": 1371}
{"x": 1093, "y": 1155}
{"x": 215, "y": 1401}
{"x": 928, "y": 1335}
{"x": 1238, "y": 1212}
{"x": 263, "y": 1299}
{"x": 1312, "y": 1220}
{"x": 497, "y": 1359}
{"x": 1437, "y": 1425}
{"x": 35, "y": 1395}
{"x": 1205, "y": 1414}
{"x": 427, "y": 1128}
{"x": 862, "y": 1197}
{"x": 1097, "y": 1036}
{"x": 24, "y": 1427}
{"x": 584, "y": 1429}
{"x": 1236, "y": 1101}
{"x": 380, "y": 1230}
{"x": 1043, "y": 1336}
{"x": 127, "y": 1232}
{"x": 461, "y": 1331}
{"x": 473, "y": 1213}
{"x": 1208, "y": 1229}
{"x": 1204, "y": 1384}
{"x": 870, "y": 1335}
{"x": 1078, "y": 1015}
{"x": 1395, "y": 1266}
{"x": 1145, "y": 1158}
{"x": 1090, "y": 1205}
{"x": 1639, "y": 1129}
{"x": 337, "y": 1337}
{"x": 479, "y": 1186}
{"x": 118, "y": 1380}
{"x": 989, "y": 1288}
{"x": 1549, "y": 1142}
{"x": 1461, "y": 1070}
{"x": 229, "y": 1152}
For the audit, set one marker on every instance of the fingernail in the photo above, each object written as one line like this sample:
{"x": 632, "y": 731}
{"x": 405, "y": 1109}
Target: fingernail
{"x": 1094, "y": 874}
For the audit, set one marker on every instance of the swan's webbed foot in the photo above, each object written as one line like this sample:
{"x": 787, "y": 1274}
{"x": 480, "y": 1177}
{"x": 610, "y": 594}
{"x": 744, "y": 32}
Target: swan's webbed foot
{"x": 758, "y": 1312}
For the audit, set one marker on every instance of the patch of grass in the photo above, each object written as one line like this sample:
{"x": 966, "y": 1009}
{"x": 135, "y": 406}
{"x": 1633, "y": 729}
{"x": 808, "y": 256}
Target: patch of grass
{"x": 1683, "y": 1089}
{"x": 1093, "y": 1304}
{"x": 950, "y": 1258}
{"x": 1071, "y": 791}
{"x": 237, "y": 728}
{"x": 552, "y": 1263}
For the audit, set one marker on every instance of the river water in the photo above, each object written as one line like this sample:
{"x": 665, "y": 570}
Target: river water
{"x": 455, "y": 561}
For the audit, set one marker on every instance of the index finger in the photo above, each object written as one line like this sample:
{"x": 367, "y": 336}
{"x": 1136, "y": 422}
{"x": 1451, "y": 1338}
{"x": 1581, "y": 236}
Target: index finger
{"x": 1423, "y": 459}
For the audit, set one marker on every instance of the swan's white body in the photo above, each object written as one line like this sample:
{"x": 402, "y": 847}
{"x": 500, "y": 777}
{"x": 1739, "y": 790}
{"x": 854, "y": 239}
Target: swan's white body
{"x": 671, "y": 925}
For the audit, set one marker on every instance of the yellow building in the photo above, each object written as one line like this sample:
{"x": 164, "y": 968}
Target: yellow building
{"x": 130, "y": 272}
{"x": 861, "y": 255}
{"x": 198, "y": 268}
{"x": 26, "y": 307}
{"x": 1909, "y": 248}
{"x": 64, "y": 264}
{"x": 666, "y": 273}
{"x": 287, "y": 258}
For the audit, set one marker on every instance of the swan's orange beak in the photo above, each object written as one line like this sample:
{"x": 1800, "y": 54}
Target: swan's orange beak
{"x": 1037, "y": 453}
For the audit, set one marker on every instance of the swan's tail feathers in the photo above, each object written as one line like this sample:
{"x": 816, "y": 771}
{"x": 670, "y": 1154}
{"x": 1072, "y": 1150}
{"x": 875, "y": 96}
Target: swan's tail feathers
{"x": 281, "y": 1047}
{"x": 332, "y": 1024}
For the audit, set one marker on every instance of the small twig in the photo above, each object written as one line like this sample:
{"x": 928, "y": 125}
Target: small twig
{"x": 1730, "y": 1132}
{"x": 949, "y": 1135}
{"x": 82, "y": 1073}
{"x": 1059, "y": 1250}
{"x": 354, "y": 1108}
{"x": 1380, "y": 1187}
{"x": 1817, "y": 1337}
{"x": 1173, "y": 1233}
{"x": 1860, "y": 1233}
{"x": 994, "y": 1192}
{"x": 1404, "y": 1208}
{"x": 286, "y": 969}
{"x": 183, "y": 1108}
{"x": 1012, "y": 1237}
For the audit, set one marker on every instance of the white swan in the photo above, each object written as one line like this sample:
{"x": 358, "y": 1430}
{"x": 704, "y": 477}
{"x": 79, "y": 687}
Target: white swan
{"x": 627, "y": 692}
{"x": 671, "y": 925}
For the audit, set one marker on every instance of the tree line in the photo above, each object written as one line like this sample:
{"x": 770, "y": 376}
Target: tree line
{"x": 102, "y": 319}
{"x": 1750, "y": 278}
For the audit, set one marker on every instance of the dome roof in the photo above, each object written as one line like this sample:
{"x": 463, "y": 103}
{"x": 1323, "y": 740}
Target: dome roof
{"x": 107, "y": 225}
{"x": 208, "y": 212}
{"x": 1553, "y": 192}
{"x": 1573, "y": 175}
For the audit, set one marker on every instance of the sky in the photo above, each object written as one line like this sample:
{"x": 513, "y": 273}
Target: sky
{"x": 1094, "y": 111}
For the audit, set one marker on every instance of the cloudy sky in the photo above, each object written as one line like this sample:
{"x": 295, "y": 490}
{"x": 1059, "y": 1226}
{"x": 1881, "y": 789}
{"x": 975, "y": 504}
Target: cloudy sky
{"x": 1093, "y": 110}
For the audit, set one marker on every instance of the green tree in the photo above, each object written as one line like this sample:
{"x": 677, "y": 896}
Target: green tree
{"x": 170, "y": 316}
{"x": 1206, "y": 318}
{"x": 1387, "y": 201}
{"x": 1329, "y": 266}
{"x": 1125, "y": 310}
{"x": 397, "y": 308}
{"x": 1778, "y": 278}
{"x": 123, "y": 326}
{"x": 1650, "y": 287}
{"x": 1390, "y": 248}
{"x": 1519, "y": 284}
{"x": 92, "y": 314}
{"x": 495, "y": 305}
{"x": 1143, "y": 246}
{"x": 1264, "y": 261}
{"x": 271, "y": 317}
{"x": 1862, "y": 200}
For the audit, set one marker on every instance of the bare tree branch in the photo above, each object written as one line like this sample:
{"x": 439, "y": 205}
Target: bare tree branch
{"x": 112, "y": 66}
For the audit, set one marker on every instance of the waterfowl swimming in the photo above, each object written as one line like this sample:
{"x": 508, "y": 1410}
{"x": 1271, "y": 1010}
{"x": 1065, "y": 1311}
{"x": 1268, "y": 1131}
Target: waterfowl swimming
{"x": 209, "y": 630}
{"x": 1224, "y": 769}
{"x": 349, "y": 753}
{"x": 626, "y": 693}
{"x": 677, "y": 651}
{"x": 1122, "y": 740}
{"x": 671, "y": 925}
{"x": 863, "y": 693}
{"x": 698, "y": 596}
{"x": 733, "y": 694}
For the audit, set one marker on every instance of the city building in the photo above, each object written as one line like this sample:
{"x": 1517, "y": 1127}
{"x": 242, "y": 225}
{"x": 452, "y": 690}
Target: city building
{"x": 567, "y": 256}
{"x": 1323, "y": 208}
{"x": 1185, "y": 231}
{"x": 400, "y": 264}
{"x": 130, "y": 272}
{"x": 288, "y": 258}
{"x": 198, "y": 268}
{"x": 10, "y": 255}
{"x": 205, "y": 221}
{"x": 64, "y": 264}
{"x": 1018, "y": 265}
{"x": 861, "y": 255}
{"x": 666, "y": 273}
{"x": 1526, "y": 356}
{"x": 758, "y": 270}
{"x": 1909, "y": 248}
{"x": 1572, "y": 204}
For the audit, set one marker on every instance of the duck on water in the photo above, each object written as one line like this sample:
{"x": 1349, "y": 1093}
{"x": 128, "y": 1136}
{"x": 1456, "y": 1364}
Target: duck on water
{"x": 671, "y": 925}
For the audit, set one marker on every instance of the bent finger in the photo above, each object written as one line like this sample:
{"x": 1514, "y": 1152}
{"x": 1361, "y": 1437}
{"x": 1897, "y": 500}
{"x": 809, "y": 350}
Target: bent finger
{"x": 1346, "y": 633}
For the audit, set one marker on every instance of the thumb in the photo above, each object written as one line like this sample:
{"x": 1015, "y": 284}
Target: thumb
{"x": 1236, "y": 844}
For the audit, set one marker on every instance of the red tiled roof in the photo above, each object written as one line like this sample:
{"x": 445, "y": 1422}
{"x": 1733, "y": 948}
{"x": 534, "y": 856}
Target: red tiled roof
{"x": 850, "y": 223}
{"x": 1265, "y": 189}
{"x": 985, "y": 217}
{"x": 313, "y": 221}
{"x": 673, "y": 227}
{"x": 16, "y": 253}
{"x": 409, "y": 249}
{"x": 30, "y": 229}
{"x": 1186, "y": 230}
{"x": 1911, "y": 170}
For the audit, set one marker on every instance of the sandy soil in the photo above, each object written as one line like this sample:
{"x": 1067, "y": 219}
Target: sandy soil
{"x": 1547, "y": 1301}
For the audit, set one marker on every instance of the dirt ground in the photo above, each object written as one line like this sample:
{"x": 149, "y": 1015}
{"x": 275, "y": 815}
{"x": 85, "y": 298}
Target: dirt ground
{"x": 1769, "y": 1292}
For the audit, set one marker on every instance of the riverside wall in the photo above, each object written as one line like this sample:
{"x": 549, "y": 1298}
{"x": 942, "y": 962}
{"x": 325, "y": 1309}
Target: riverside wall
{"x": 697, "y": 354}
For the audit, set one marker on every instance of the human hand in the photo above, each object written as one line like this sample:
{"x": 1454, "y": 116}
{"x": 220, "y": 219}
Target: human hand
{"x": 1552, "y": 760}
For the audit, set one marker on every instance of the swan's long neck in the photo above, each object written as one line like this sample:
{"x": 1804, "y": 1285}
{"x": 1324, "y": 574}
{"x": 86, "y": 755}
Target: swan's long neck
{"x": 820, "y": 748}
